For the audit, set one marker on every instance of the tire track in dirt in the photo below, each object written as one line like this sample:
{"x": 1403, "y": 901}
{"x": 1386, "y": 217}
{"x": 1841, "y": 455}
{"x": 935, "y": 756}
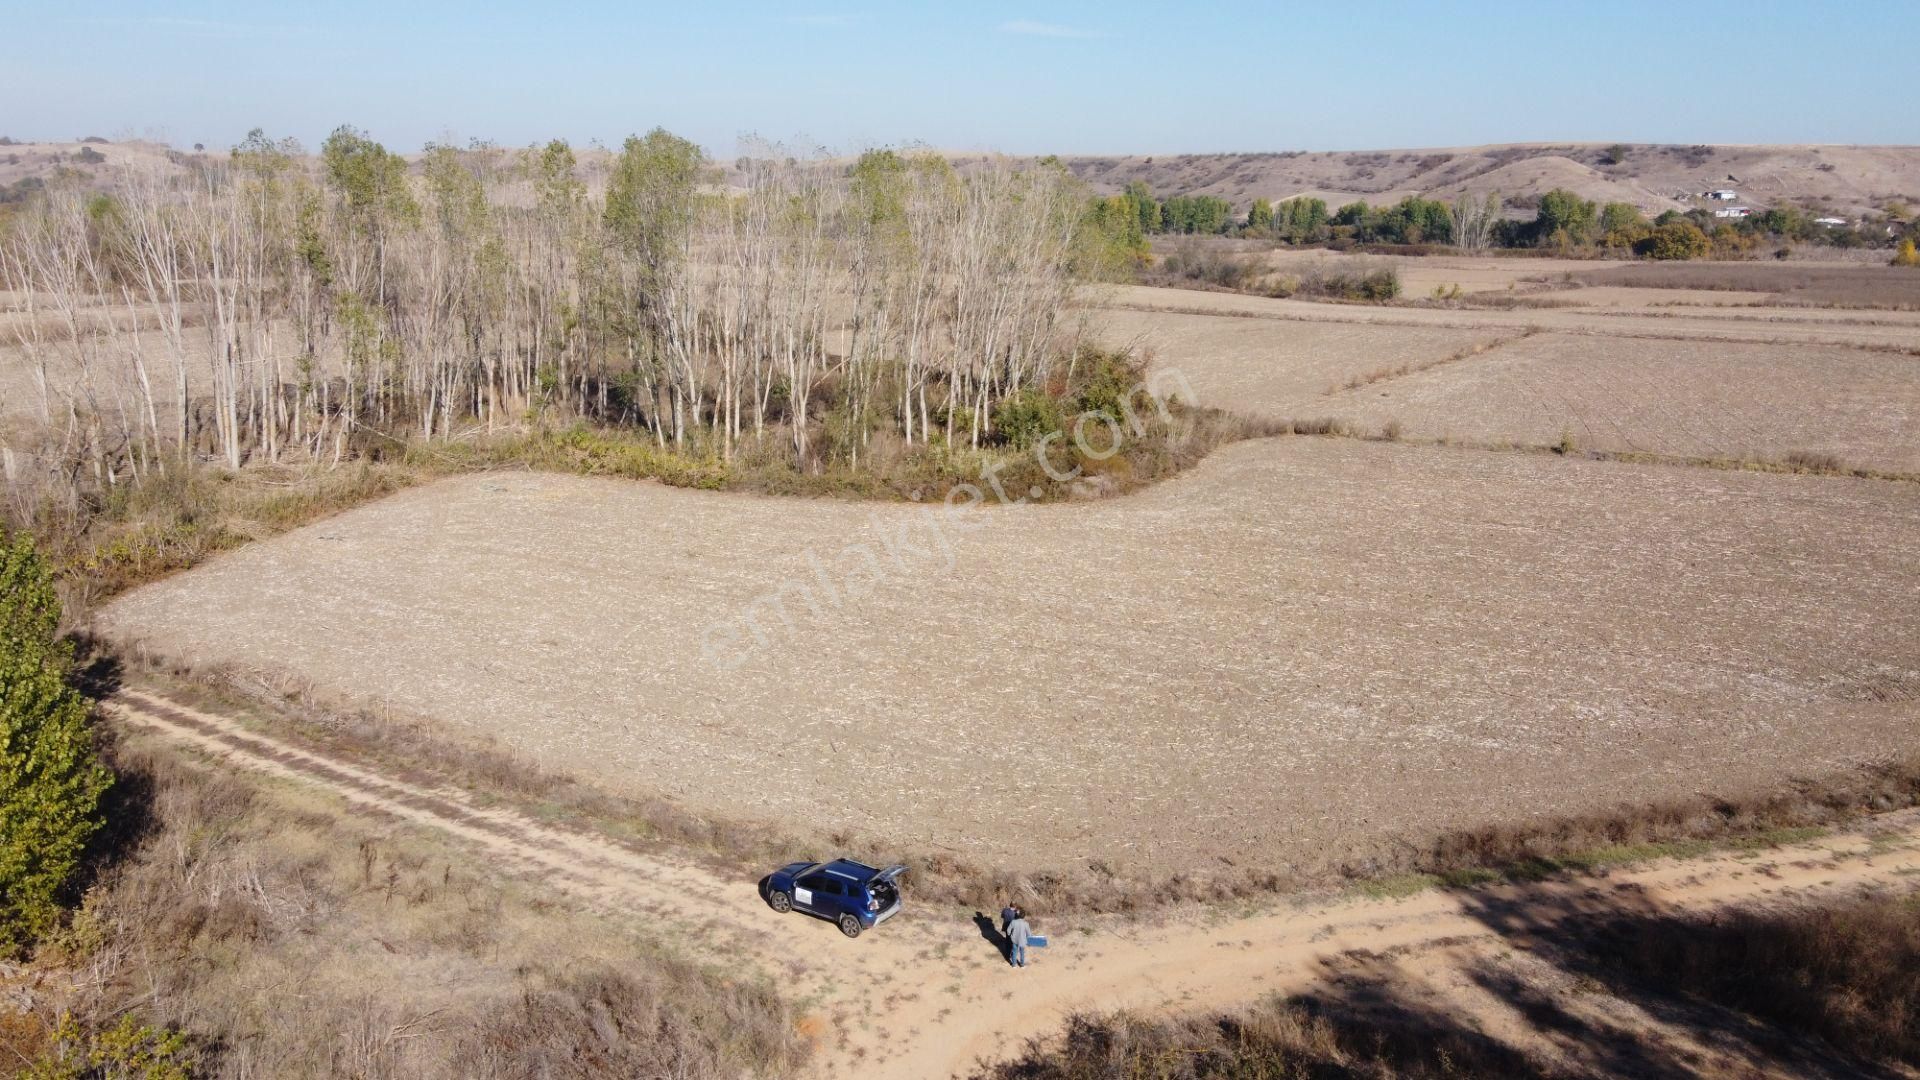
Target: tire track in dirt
{"x": 878, "y": 1002}
{"x": 604, "y": 873}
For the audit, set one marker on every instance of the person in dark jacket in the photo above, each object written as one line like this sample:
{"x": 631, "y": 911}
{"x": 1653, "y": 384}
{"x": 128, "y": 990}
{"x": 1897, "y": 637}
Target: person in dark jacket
{"x": 1007, "y": 915}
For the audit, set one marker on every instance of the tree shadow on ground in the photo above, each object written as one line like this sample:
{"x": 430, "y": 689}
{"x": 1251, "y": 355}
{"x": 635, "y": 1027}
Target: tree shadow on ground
{"x": 1636, "y": 988}
{"x": 1584, "y": 980}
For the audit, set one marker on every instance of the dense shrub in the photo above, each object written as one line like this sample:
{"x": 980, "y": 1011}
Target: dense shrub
{"x": 1412, "y": 220}
{"x": 50, "y": 782}
{"x": 1357, "y": 279}
{"x": 1196, "y": 214}
{"x": 1676, "y": 240}
{"x": 1104, "y": 380}
{"x": 128, "y": 1049}
{"x": 1193, "y": 263}
{"x": 1025, "y": 417}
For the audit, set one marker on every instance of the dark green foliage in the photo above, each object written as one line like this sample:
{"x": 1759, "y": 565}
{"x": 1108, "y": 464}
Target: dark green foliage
{"x": 1620, "y": 216}
{"x": 1148, "y": 206}
{"x": 1564, "y": 219}
{"x": 1196, "y": 214}
{"x": 50, "y": 782}
{"x": 1104, "y": 380}
{"x": 128, "y": 1049}
{"x": 1026, "y": 417}
{"x": 1412, "y": 220}
{"x": 1301, "y": 221}
{"x": 22, "y": 189}
{"x": 371, "y": 182}
{"x": 1785, "y": 221}
{"x": 1260, "y": 215}
{"x": 650, "y": 196}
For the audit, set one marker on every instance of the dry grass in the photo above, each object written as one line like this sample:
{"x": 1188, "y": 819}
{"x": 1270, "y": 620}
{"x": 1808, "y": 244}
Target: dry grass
{"x": 1660, "y": 828}
{"x": 1847, "y": 974}
{"x": 1282, "y": 1040}
{"x": 1569, "y": 987}
{"x": 287, "y": 937}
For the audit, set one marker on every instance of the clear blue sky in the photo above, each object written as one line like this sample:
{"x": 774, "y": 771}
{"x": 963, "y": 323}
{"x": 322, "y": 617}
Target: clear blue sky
{"x": 1114, "y": 77}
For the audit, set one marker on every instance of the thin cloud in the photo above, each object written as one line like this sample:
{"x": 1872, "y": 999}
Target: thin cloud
{"x": 1030, "y": 28}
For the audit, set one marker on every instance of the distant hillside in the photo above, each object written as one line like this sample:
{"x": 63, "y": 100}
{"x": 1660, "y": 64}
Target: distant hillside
{"x": 1653, "y": 177}
{"x": 21, "y": 161}
{"x": 1844, "y": 179}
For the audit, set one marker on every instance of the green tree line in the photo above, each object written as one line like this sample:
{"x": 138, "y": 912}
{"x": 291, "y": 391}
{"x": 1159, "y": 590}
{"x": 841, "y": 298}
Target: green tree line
{"x": 1562, "y": 220}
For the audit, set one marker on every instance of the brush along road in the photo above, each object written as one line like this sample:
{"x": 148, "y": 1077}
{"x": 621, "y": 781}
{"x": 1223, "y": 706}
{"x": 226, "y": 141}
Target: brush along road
{"x": 930, "y": 997}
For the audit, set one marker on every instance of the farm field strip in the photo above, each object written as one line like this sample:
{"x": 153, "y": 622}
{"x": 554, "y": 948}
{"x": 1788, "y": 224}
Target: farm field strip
{"x": 1871, "y": 330}
{"x": 1680, "y": 399}
{"x": 1185, "y": 674}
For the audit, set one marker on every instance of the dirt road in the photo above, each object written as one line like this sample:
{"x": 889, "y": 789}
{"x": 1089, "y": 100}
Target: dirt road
{"x": 929, "y": 995}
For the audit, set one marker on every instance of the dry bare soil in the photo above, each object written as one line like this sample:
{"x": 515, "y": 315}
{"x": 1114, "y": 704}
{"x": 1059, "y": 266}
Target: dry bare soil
{"x": 1302, "y": 650}
{"x": 1682, "y": 398}
{"x": 1653, "y": 177}
{"x": 1679, "y": 369}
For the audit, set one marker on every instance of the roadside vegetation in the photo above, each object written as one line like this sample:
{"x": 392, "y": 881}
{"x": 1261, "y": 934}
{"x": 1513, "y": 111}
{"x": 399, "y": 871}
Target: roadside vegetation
{"x": 1814, "y": 990}
{"x": 238, "y": 929}
{"x": 50, "y": 781}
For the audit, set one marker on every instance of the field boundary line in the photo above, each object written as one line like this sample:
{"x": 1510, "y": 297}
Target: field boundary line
{"x": 1415, "y": 367}
{"x": 1576, "y": 331}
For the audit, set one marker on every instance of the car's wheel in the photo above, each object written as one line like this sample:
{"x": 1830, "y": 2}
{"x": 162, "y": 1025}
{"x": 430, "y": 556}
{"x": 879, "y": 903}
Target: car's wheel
{"x": 849, "y": 926}
{"x": 780, "y": 902}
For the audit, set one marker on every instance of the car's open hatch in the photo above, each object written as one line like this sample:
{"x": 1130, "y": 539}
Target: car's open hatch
{"x": 890, "y": 872}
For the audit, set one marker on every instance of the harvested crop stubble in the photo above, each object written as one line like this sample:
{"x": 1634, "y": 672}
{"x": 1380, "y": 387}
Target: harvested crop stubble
{"x": 1273, "y": 368}
{"x": 1300, "y": 650}
{"x": 1680, "y": 398}
{"x": 1872, "y": 329}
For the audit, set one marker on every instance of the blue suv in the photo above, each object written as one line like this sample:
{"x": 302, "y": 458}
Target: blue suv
{"x": 854, "y": 895}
